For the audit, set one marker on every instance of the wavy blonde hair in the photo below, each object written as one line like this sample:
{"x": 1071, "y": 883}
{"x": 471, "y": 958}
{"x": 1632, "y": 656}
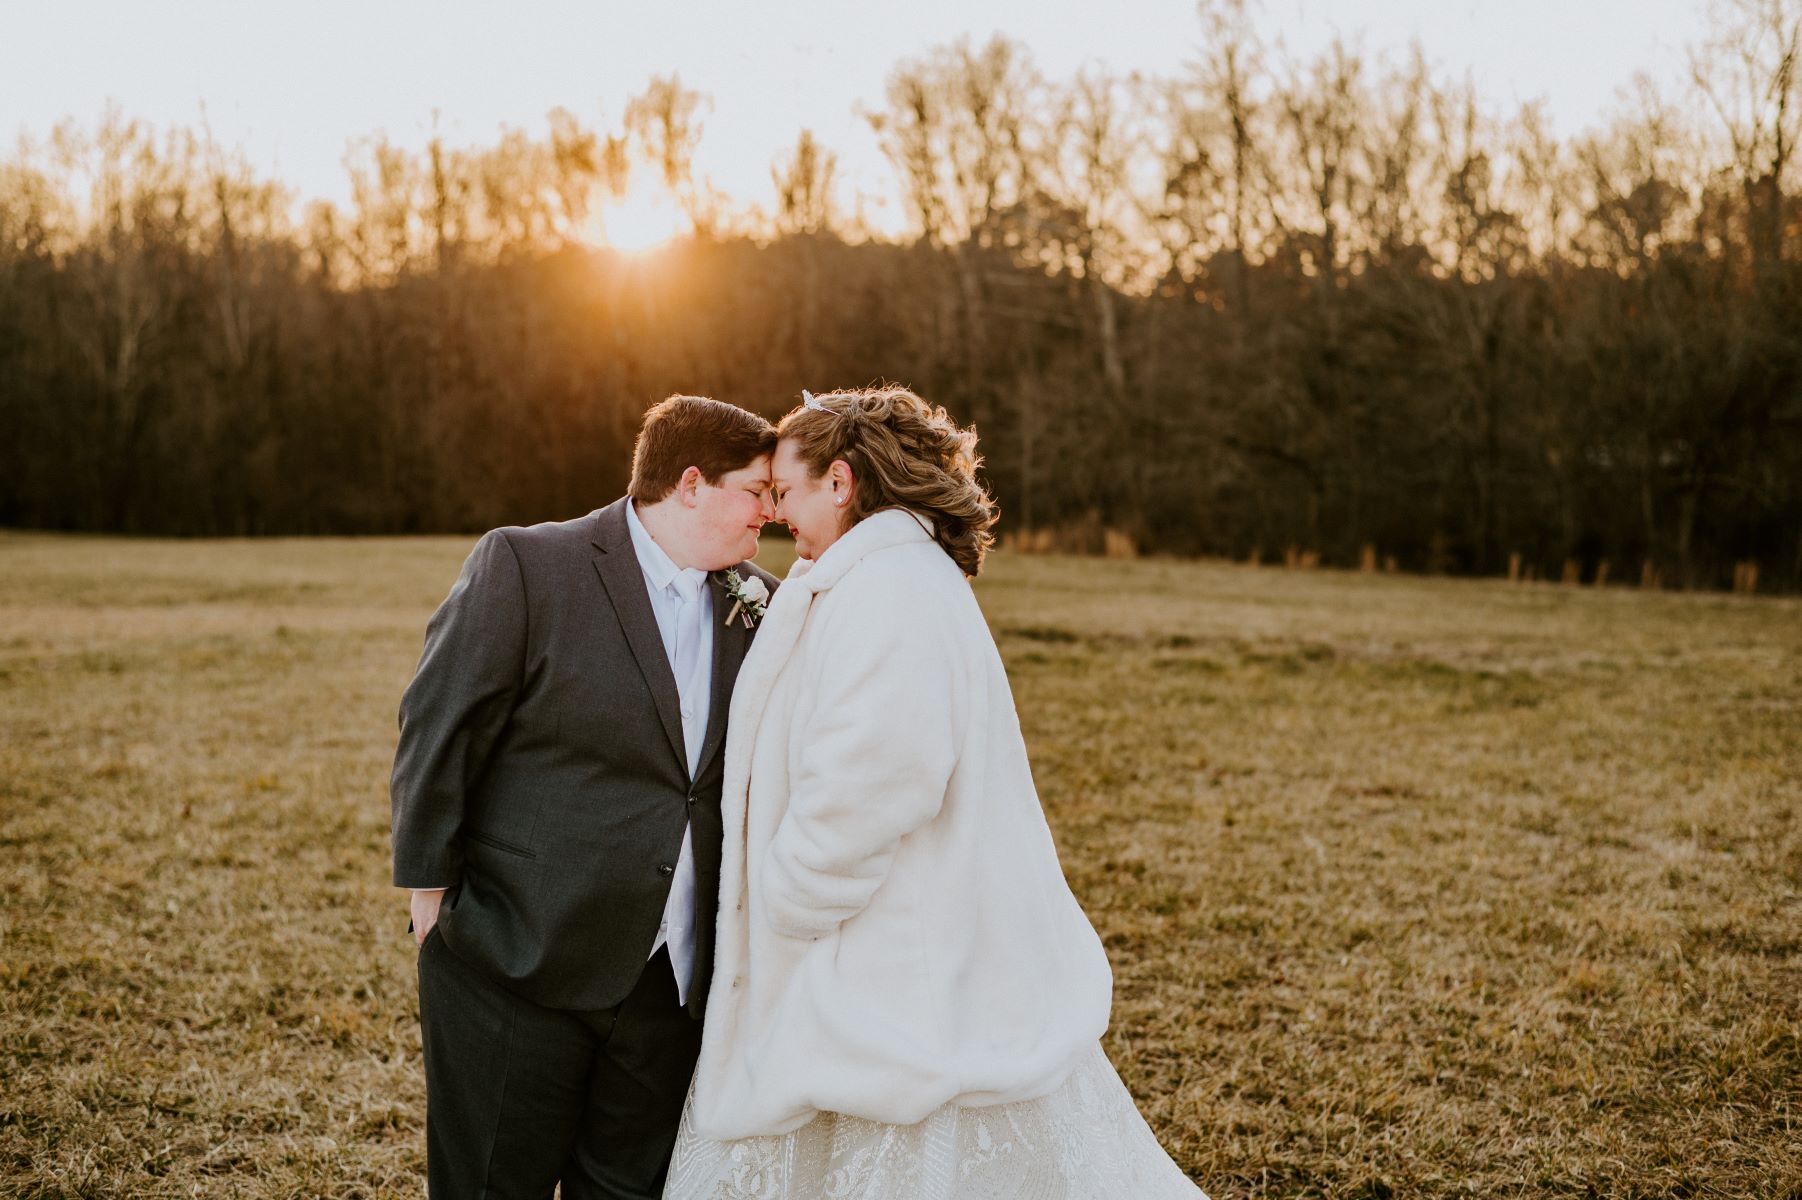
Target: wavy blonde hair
{"x": 903, "y": 453}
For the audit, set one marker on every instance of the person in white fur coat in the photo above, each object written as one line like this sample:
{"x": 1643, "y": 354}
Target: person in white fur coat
{"x": 907, "y": 1000}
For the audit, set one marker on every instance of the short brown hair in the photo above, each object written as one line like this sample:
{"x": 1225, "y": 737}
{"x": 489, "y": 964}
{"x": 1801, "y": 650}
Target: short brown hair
{"x": 903, "y": 453}
{"x": 693, "y": 431}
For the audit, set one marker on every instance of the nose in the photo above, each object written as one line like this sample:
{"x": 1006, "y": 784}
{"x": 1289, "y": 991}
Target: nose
{"x": 766, "y": 507}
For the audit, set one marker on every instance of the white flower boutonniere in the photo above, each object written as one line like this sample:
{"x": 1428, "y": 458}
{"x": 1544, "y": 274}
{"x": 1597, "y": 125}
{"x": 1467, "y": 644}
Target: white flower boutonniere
{"x": 748, "y": 599}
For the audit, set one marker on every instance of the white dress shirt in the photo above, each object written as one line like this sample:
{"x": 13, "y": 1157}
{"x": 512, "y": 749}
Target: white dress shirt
{"x": 678, "y": 617}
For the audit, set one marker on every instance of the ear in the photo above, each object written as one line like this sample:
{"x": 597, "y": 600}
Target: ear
{"x": 688, "y": 487}
{"x": 841, "y": 478}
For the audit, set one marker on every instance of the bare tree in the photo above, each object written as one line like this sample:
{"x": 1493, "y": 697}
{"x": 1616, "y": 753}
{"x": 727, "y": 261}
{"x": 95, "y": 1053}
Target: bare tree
{"x": 804, "y": 187}
{"x": 1212, "y": 154}
{"x": 665, "y": 122}
{"x": 1750, "y": 74}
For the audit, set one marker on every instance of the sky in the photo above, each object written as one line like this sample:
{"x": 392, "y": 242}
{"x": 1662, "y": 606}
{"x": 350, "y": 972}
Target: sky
{"x": 293, "y": 84}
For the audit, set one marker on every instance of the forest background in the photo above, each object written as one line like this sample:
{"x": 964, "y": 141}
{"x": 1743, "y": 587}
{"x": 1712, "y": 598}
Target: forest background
{"x": 1338, "y": 309}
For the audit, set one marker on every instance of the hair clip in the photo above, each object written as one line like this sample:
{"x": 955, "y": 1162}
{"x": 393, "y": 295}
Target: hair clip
{"x": 808, "y": 400}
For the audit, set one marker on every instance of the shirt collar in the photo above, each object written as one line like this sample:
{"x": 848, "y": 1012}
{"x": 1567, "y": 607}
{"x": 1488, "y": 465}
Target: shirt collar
{"x": 659, "y": 569}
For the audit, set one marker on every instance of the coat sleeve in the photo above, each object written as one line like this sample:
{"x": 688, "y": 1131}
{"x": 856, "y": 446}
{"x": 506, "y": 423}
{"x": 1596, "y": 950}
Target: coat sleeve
{"x": 460, "y": 699}
{"x": 874, "y": 763}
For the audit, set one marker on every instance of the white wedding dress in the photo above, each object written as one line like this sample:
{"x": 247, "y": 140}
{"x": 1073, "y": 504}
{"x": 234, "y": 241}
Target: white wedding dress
{"x": 1084, "y": 1141}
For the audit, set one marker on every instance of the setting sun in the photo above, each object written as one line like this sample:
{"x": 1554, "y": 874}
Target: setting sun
{"x": 637, "y": 222}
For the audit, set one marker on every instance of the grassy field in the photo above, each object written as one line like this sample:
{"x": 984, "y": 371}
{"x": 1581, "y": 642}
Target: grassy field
{"x": 1412, "y": 887}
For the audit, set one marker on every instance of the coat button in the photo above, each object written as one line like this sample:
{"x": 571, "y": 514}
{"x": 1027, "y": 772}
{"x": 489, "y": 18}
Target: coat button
{"x": 665, "y": 869}
{"x": 691, "y": 802}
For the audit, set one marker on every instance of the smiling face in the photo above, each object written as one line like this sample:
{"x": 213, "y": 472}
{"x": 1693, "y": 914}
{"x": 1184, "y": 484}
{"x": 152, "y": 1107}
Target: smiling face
{"x": 812, "y": 506}
{"x": 727, "y": 515}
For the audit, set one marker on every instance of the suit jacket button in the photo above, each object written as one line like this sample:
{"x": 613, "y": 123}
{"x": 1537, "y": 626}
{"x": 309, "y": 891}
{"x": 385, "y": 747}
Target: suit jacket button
{"x": 665, "y": 869}
{"x": 691, "y": 802}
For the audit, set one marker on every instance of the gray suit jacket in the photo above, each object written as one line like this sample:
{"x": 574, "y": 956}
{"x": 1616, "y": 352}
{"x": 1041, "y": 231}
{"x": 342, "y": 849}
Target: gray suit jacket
{"x": 541, "y": 774}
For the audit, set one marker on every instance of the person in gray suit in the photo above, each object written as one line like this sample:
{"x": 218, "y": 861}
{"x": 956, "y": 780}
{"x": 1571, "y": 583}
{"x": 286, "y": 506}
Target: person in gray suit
{"x": 556, "y": 808}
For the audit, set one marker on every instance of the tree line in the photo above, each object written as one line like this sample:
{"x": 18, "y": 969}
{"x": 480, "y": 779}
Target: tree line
{"x": 1336, "y": 308}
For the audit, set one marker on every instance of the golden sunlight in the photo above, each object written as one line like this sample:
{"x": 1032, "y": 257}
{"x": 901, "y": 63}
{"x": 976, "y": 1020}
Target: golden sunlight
{"x": 641, "y": 220}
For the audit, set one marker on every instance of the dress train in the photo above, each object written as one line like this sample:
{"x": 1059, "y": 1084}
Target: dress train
{"x": 1084, "y": 1141}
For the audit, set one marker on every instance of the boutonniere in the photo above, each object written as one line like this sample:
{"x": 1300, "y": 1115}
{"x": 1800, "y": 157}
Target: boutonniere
{"x": 748, "y": 598}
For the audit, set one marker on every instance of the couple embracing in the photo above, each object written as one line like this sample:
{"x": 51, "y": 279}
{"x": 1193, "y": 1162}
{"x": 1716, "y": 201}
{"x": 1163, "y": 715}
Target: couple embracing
{"x": 729, "y": 888}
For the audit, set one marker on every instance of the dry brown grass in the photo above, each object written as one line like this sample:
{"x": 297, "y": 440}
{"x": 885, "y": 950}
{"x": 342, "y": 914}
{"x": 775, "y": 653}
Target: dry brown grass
{"x": 1412, "y": 887}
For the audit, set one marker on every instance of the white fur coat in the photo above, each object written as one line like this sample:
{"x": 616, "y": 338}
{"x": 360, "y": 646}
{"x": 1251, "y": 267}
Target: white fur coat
{"x": 895, "y": 932}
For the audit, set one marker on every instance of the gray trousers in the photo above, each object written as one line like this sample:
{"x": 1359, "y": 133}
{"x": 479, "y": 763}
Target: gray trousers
{"x": 520, "y": 1097}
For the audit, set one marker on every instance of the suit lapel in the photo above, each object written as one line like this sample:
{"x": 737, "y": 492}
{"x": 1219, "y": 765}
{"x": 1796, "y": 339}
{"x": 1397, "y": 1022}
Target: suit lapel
{"x": 730, "y": 640}
{"x": 617, "y": 565}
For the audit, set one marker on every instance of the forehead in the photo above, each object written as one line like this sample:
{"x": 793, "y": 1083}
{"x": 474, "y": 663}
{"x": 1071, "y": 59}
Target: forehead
{"x": 788, "y": 459}
{"x": 753, "y": 471}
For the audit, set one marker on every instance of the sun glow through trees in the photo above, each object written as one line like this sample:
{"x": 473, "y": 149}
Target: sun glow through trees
{"x": 638, "y": 222}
